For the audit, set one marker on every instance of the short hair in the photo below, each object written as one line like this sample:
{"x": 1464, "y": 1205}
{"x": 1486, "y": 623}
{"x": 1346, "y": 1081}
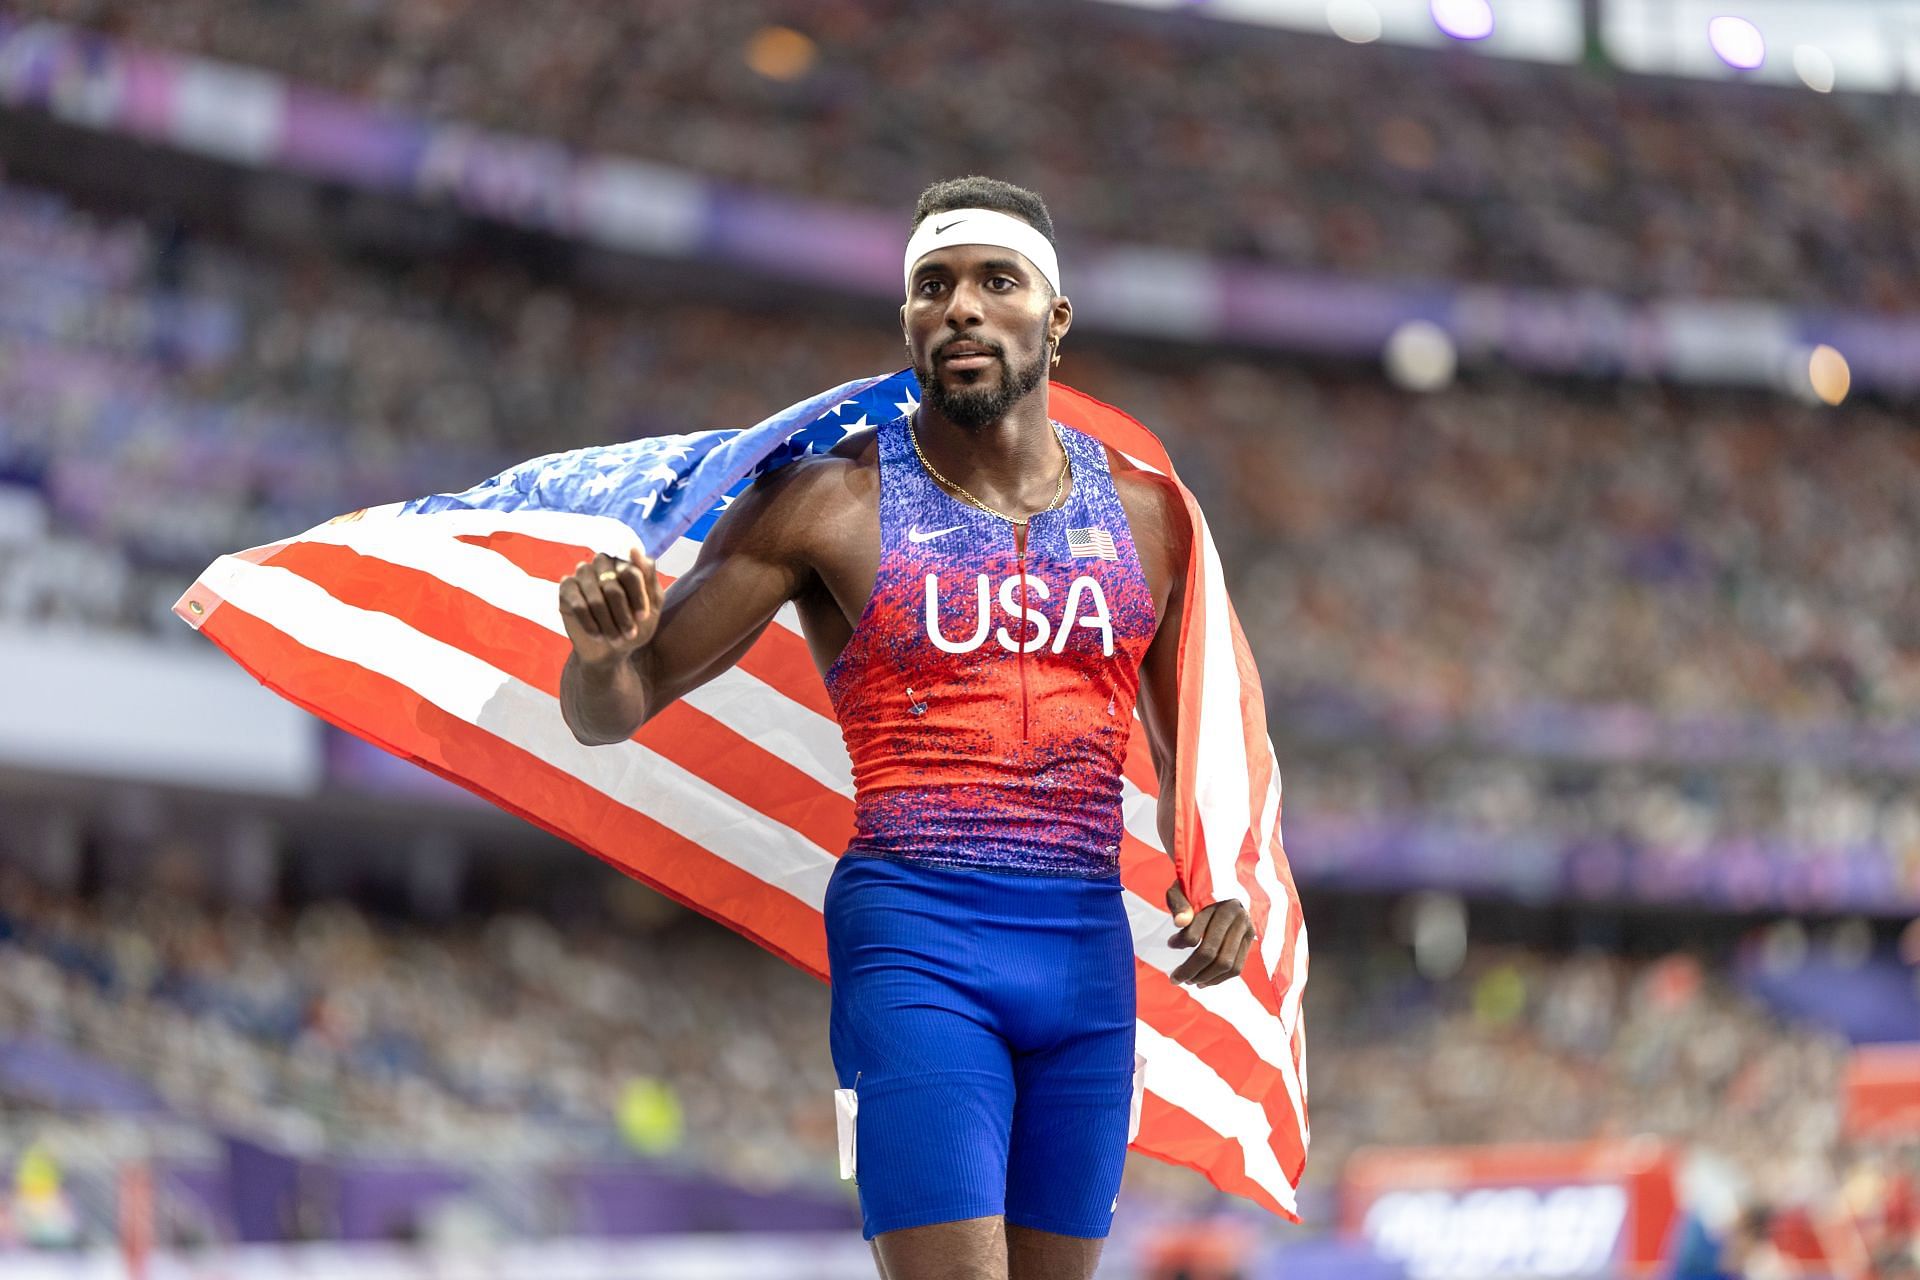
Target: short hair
{"x": 977, "y": 192}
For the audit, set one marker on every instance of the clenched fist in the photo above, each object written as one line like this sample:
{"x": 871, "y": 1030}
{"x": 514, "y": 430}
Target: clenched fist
{"x": 611, "y": 607}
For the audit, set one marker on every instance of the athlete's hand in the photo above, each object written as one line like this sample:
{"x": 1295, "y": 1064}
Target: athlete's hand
{"x": 1223, "y": 934}
{"x": 609, "y": 617}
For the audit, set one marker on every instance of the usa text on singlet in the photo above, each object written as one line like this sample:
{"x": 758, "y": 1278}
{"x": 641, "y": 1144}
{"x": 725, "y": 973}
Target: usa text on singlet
{"x": 986, "y": 699}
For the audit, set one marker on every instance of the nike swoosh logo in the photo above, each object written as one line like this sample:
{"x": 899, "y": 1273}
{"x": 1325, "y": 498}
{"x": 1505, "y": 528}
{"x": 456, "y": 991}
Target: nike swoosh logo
{"x": 914, "y": 534}
{"x": 956, "y": 222}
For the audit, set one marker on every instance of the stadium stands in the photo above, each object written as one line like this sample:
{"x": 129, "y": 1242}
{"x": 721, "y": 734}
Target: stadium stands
{"x": 1213, "y": 136}
{"x": 1484, "y": 550}
{"x": 508, "y": 1038}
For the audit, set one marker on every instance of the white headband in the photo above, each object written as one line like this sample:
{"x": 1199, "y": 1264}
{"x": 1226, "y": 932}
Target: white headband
{"x": 982, "y": 226}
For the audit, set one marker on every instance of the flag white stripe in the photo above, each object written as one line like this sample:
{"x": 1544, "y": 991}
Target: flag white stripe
{"x": 1290, "y": 1019}
{"x": 1178, "y": 1075}
{"x": 762, "y": 714}
{"x": 1220, "y": 774}
{"x": 482, "y": 695}
{"x": 1140, "y": 813}
{"x": 1264, "y": 873}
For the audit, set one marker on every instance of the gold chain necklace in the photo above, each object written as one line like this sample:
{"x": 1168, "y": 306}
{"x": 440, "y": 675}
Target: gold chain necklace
{"x": 1059, "y": 486}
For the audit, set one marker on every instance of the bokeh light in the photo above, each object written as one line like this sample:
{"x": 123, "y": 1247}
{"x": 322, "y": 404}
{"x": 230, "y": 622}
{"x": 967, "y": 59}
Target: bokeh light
{"x": 1737, "y": 42}
{"x": 1814, "y": 67}
{"x": 781, "y": 53}
{"x": 1829, "y": 373}
{"x": 1463, "y": 19}
{"x": 1420, "y": 356}
{"x": 1356, "y": 21}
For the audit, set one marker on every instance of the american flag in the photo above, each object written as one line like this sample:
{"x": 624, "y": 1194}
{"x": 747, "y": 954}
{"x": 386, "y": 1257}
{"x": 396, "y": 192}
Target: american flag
{"x": 1091, "y": 543}
{"x": 432, "y": 629}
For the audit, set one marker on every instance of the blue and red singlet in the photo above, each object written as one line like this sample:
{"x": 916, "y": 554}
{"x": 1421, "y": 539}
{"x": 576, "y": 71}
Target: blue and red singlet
{"x": 982, "y": 963}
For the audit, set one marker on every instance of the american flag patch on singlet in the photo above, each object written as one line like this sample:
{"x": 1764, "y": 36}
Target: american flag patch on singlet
{"x": 1097, "y": 543}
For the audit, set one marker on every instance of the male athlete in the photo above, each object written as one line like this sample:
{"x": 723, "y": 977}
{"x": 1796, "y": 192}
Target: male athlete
{"x": 985, "y": 592}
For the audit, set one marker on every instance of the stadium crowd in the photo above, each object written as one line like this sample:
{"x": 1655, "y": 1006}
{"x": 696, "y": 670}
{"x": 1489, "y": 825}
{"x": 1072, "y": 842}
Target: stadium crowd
{"x": 506, "y": 1038}
{"x": 1539, "y": 174}
{"x": 1480, "y": 551}
{"x": 1521, "y": 823}
{"x": 512, "y": 1036}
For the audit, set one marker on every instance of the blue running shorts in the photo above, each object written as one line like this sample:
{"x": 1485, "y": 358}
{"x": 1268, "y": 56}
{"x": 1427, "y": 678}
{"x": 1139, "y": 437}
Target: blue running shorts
{"x": 985, "y": 1021}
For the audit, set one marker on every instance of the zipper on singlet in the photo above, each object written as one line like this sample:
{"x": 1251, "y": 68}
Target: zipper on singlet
{"x": 1020, "y": 651}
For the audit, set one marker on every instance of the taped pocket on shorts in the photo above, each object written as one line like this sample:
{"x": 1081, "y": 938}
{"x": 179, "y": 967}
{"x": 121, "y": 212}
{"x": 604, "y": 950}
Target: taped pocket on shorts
{"x": 1139, "y": 1093}
{"x": 846, "y": 1116}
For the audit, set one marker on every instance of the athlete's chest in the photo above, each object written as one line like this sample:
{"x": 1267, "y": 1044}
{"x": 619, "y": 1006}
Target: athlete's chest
{"x": 1065, "y": 591}
{"x": 937, "y": 578}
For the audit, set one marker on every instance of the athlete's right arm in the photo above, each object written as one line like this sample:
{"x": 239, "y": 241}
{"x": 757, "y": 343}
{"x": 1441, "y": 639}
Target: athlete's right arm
{"x": 636, "y": 649}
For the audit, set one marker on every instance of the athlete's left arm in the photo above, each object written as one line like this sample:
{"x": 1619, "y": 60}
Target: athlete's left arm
{"x": 1221, "y": 933}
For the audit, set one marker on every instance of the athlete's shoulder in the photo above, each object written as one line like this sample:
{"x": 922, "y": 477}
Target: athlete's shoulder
{"x": 1155, "y": 511}
{"x": 811, "y": 497}
{"x": 849, "y": 471}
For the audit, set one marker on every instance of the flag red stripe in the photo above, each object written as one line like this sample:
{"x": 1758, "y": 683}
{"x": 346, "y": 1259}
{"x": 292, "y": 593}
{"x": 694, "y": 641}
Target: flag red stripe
{"x": 537, "y": 557}
{"x": 1113, "y": 426}
{"x": 392, "y": 716}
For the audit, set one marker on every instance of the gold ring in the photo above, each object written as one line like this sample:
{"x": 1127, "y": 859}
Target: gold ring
{"x": 608, "y": 575}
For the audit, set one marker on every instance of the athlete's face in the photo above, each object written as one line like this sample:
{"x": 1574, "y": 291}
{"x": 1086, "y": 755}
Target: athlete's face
{"x": 977, "y": 319}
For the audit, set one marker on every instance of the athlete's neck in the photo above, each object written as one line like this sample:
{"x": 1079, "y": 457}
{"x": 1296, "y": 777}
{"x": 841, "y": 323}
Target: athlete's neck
{"x": 1012, "y": 463}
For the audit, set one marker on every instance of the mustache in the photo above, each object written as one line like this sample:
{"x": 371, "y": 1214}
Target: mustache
{"x": 939, "y": 353}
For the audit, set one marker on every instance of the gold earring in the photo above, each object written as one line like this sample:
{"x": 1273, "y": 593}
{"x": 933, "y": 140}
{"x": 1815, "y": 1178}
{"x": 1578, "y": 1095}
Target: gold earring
{"x": 1053, "y": 345}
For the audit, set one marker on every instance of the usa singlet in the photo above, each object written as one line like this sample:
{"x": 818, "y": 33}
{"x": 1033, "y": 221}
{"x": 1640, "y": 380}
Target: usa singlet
{"x": 986, "y": 697}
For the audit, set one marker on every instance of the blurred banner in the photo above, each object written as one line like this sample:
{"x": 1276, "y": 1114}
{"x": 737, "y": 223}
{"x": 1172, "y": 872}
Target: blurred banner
{"x": 99, "y": 705}
{"x": 1574, "y": 1209}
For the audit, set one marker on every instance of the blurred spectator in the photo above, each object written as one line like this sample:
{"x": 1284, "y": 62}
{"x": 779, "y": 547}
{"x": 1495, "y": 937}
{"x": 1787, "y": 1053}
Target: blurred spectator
{"x": 505, "y": 1039}
{"x": 40, "y": 1215}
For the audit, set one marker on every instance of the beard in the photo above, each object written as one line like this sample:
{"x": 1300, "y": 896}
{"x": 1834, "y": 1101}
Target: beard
{"x": 974, "y": 406}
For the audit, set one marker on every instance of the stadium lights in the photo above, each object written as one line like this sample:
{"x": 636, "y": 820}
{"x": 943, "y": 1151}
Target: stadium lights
{"x": 1814, "y": 374}
{"x": 780, "y": 53}
{"x": 1463, "y": 19}
{"x": 1355, "y": 21}
{"x": 1814, "y": 67}
{"x": 1421, "y": 356}
{"x": 1737, "y": 42}
{"x": 1829, "y": 373}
